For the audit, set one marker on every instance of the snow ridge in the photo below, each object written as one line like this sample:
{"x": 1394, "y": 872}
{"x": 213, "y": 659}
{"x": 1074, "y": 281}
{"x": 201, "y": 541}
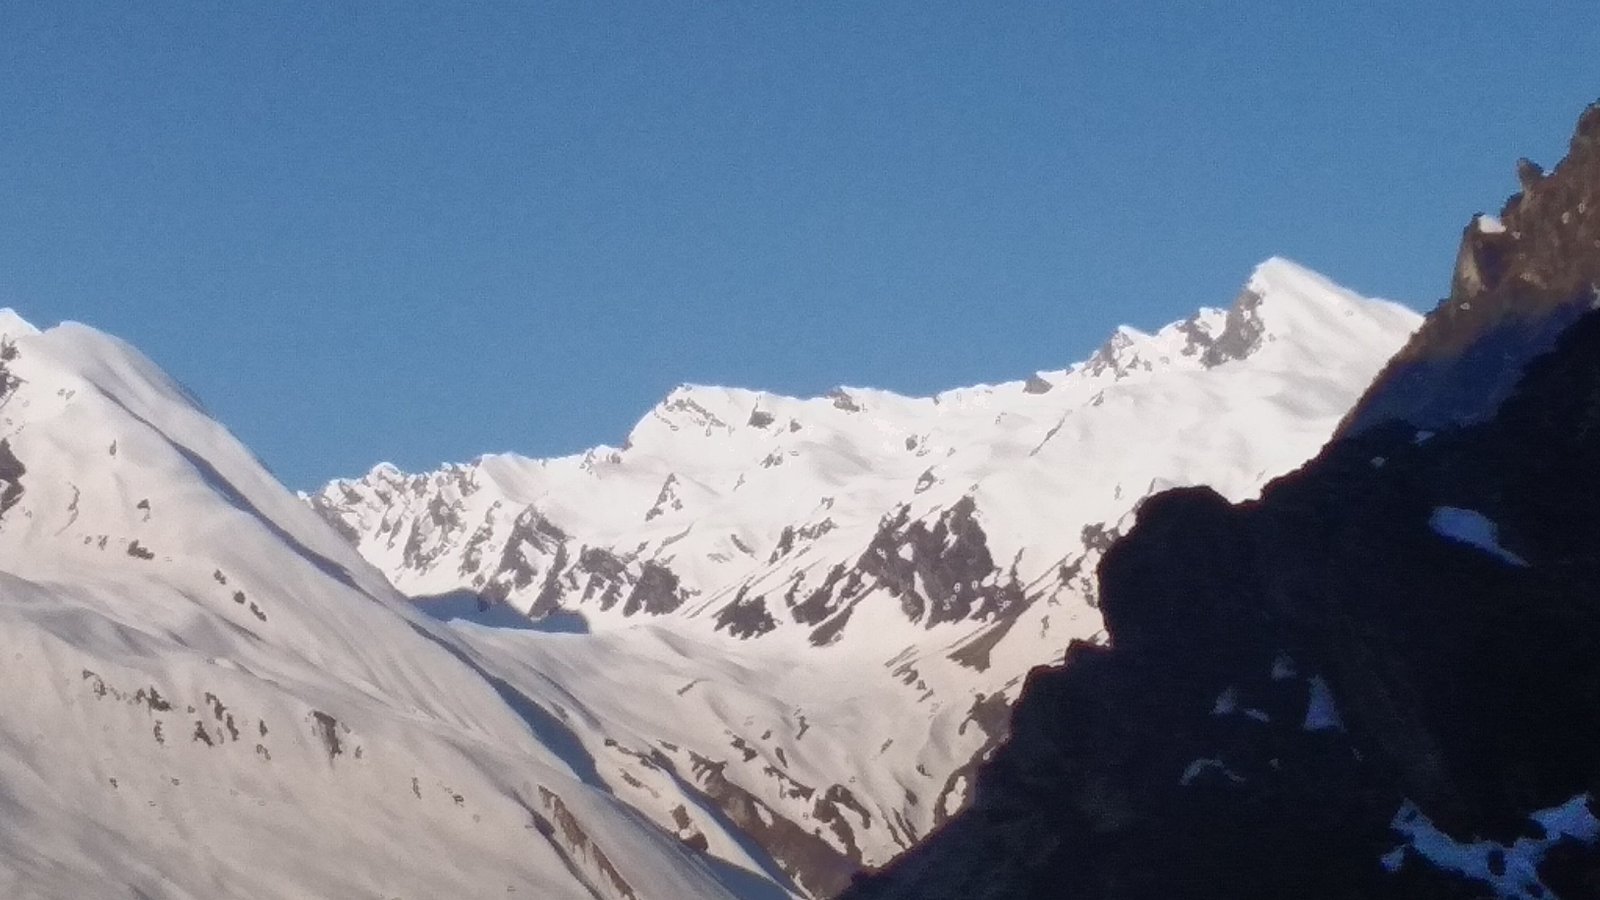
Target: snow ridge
{"x": 798, "y": 591}
{"x": 211, "y": 694}
{"x": 764, "y": 642}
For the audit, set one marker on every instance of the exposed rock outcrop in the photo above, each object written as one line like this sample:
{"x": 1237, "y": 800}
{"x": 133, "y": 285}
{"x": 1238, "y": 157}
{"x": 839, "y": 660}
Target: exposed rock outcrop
{"x": 1519, "y": 281}
{"x": 1382, "y": 679}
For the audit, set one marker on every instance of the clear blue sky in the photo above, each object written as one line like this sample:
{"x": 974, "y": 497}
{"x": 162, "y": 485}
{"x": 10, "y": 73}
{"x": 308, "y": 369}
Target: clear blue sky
{"x": 367, "y": 231}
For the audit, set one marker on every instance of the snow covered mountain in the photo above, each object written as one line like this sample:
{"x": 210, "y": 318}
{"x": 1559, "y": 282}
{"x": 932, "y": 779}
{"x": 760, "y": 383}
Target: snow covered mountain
{"x": 814, "y": 613}
{"x": 770, "y": 638}
{"x": 1381, "y": 679}
{"x": 209, "y": 694}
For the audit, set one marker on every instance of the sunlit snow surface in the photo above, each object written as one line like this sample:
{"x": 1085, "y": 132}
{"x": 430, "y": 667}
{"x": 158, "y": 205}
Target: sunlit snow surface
{"x": 211, "y": 694}
{"x": 710, "y": 480}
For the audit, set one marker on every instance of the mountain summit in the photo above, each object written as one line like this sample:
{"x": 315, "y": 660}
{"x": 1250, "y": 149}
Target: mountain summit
{"x": 1381, "y": 679}
{"x": 763, "y": 644}
{"x": 719, "y": 488}
{"x": 783, "y": 598}
{"x": 210, "y": 694}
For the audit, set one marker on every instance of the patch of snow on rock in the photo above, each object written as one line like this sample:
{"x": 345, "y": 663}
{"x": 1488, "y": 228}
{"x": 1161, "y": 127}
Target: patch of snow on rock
{"x": 1321, "y": 713}
{"x": 1201, "y": 766}
{"x": 1227, "y": 703}
{"x": 1468, "y": 526}
{"x": 1512, "y": 872}
{"x": 1283, "y": 667}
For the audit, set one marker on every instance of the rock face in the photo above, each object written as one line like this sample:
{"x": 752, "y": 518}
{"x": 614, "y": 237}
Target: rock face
{"x": 1382, "y": 678}
{"x": 1519, "y": 281}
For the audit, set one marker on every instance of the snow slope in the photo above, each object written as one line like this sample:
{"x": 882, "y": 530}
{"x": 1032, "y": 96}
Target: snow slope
{"x": 209, "y": 694}
{"x": 814, "y": 612}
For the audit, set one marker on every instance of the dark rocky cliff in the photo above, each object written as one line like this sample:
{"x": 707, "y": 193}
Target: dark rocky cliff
{"x": 1517, "y": 285}
{"x": 1382, "y": 679}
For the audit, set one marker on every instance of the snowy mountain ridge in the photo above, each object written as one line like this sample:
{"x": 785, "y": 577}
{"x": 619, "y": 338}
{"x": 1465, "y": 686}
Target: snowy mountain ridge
{"x": 832, "y": 580}
{"x": 771, "y": 638}
{"x": 1377, "y": 679}
{"x": 728, "y": 469}
{"x": 211, "y": 695}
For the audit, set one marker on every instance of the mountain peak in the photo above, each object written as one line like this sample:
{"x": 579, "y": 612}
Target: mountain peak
{"x": 1389, "y": 649}
{"x": 1519, "y": 281}
{"x": 1283, "y": 282}
{"x": 937, "y": 547}
{"x": 1282, "y": 301}
{"x": 387, "y": 471}
{"x": 1278, "y": 269}
{"x": 150, "y": 566}
{"x": 13, "y": 325}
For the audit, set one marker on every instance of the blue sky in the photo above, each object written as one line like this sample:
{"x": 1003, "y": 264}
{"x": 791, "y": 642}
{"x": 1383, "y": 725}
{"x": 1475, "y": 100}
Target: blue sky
{"x": 417, "y": 232}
